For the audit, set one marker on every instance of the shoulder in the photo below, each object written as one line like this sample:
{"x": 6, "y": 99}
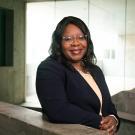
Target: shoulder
{"x": 50, "y": 66}
{"x": 95, "y": 68}
{"x": 50, "y": 63}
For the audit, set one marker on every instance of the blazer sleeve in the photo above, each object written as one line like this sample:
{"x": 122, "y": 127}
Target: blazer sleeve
{"x": 50, "y": 81}
{"x": 108, "y": 107}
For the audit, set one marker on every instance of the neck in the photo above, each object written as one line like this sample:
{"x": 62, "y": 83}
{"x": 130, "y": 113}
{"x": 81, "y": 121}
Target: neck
{"x": 77, "y": 66}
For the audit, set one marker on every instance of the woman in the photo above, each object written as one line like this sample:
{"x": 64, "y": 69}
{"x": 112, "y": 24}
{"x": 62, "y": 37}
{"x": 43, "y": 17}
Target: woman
{"x": 70, "y": 87}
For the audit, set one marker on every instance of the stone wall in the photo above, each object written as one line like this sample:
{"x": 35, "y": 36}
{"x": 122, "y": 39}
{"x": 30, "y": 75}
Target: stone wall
{"x": 12, "y": 79}
{"x": 16, "y": 120}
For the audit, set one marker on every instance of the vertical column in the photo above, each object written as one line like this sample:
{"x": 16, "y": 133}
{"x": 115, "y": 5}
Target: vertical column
{"x": 2, "y": 37}
{"x": 6, "y": 37}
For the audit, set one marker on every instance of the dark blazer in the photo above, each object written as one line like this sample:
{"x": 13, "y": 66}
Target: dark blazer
{"x": 66, "y": 97}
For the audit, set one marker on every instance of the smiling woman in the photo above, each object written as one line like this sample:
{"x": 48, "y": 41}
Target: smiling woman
{"x": 70, "y": 86}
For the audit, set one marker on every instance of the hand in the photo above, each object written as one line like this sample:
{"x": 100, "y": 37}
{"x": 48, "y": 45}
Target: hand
{"x": 109, "y": 123}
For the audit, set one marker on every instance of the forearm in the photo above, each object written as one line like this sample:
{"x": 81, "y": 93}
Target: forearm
{"x": 60, "y": 111}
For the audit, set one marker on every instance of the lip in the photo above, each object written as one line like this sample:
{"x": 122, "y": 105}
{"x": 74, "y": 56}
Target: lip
{"x": 76, "y": 51}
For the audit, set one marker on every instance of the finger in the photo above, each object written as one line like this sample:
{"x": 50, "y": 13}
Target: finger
{"x": 108, "y": 121}
{"x": 113, "y": 120}
{"x": 104, "y": 120}
{"x": 105, "y": 126}
{"x": 112, "y": 130}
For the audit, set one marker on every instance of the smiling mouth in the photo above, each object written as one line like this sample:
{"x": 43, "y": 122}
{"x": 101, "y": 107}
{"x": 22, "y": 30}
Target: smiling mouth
{"x": 76, "y": 51}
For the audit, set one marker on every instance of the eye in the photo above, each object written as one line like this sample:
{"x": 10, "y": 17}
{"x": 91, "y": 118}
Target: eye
{"x": 67, "y": 38}
{"x": 82, "y": 37}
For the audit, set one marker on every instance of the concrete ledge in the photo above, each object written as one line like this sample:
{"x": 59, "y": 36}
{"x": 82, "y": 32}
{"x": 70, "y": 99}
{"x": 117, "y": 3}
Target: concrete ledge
{"x": 16, "y": 120}
{"x": 127, "y": 116}
{"x": 124, "y": 102}
{"x": 127, "y": 126}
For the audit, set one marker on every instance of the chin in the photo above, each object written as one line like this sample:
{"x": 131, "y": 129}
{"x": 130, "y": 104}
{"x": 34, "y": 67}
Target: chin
{"x": 76, "y": 60}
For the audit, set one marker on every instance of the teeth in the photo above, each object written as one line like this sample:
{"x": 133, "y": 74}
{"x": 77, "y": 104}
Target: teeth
{"x": 75, "y": 51}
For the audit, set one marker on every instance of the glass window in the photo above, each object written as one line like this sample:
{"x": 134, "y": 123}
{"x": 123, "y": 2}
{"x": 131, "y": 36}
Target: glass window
{"x": 39, "y": 29}
{"x": 107, "y": 25}
{"x": 111, "y": 23}
{"x": 130, "y": 46}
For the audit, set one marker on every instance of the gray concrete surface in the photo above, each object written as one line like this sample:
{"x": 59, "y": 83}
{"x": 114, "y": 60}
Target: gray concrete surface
{"x": 125, "y": 101}
{"x": 125, "y": 104}
{"x": 16, "y": 120}
{"x": 12, "y": 78}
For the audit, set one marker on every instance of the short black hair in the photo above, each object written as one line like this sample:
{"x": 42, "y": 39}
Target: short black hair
{"x": 56, "y": 49}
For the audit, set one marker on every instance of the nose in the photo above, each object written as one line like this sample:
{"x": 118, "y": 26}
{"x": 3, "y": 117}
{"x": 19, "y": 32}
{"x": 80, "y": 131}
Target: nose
{"x": 75, "y": 41}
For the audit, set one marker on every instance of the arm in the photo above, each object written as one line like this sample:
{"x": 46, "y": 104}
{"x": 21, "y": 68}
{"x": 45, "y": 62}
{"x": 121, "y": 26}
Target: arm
{"x": 110, "y": 118}
{"x": 112, "y": 112}
{"x": 51, "y": 93}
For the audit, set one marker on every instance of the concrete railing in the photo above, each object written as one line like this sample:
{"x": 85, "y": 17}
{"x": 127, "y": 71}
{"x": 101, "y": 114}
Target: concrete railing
{"x": 16, "y": 120}
{"x": 127, "y": 126}
{"x": 124, "y": 102}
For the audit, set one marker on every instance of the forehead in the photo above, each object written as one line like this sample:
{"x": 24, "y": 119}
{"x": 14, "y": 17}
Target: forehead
{"x": 72, "y": 29}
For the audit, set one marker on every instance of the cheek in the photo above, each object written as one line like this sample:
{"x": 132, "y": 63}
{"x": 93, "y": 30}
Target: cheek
{"x": 85, "y": 45}
{"x": 85, "y": 48}
{"x": 64, "y": 48}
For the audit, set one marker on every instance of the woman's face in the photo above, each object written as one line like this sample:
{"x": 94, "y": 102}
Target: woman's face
{"x": 74, "y": 43}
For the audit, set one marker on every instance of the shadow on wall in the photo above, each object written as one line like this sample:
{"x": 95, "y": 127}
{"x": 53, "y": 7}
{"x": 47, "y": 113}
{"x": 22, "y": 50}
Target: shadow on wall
{"x": 6, "y": 37}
